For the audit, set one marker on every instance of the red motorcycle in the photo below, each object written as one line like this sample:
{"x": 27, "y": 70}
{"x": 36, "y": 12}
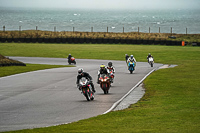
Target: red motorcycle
{"x": 72, "y": 60}
{"x": 105, "y": 83}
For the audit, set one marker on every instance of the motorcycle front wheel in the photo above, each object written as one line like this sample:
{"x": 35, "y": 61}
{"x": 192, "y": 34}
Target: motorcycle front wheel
{"x": 131, "y": 71}
{"x": 151, "y": 64}
{"x": 105, "y": 90}
{"x": 87, "y": 96}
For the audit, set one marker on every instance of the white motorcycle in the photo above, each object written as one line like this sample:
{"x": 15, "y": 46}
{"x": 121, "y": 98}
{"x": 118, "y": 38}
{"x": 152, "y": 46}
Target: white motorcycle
{"x": 151, "y": 61}
{"x": 85, "y": 87}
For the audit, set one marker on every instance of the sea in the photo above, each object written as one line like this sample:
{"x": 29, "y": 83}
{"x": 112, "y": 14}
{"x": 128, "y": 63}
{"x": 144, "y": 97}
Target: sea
{"x": 148, "y": 21}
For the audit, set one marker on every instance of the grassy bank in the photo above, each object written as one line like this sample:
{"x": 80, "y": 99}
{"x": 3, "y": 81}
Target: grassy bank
{"x": 170, "y": 104}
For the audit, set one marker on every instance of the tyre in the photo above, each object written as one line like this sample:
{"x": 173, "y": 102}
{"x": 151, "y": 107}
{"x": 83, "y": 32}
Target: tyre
{"x": 104, "y": 88}
{"x": 92, "y": 98}
{"x": 87, "y": 96}
{"x": 151, "y": 64}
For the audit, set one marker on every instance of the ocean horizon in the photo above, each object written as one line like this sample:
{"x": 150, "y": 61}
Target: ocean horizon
{"x": 153, "y": 21}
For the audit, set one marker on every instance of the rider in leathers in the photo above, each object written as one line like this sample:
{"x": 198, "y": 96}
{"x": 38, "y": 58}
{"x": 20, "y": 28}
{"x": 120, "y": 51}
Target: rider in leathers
{"x": 149, "y": 55}
{"x": 131, "y": 59}
{"x": 69, "y": 57}
{"x": 102, "y": 70}
{"x": 110, "y": 67}
{"x": 126, "y": 57}
{"x": 87, "y": 76}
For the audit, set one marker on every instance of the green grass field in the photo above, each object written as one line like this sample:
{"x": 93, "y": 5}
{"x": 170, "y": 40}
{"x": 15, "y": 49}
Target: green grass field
{"x": 171, "y": 103}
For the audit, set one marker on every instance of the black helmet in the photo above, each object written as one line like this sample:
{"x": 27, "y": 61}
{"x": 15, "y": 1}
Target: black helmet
{"x": 80, "y": 70}
{"x": 109, "y": 64}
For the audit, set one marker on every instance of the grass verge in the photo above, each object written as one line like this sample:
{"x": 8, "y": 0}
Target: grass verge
{"x": 170, "y": 104}
{"x": 10, "y": 70}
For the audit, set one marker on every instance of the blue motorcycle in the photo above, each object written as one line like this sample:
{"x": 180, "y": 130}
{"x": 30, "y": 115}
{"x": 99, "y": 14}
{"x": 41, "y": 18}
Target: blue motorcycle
{"x": 131, "y": 67}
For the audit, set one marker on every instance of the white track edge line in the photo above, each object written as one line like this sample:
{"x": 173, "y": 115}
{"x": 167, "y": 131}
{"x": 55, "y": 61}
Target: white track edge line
{"x": 117, "y": 103}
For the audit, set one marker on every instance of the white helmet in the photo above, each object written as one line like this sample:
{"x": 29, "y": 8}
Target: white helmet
{"x": 80, "y": 70}
{"x": 131, "y": 56}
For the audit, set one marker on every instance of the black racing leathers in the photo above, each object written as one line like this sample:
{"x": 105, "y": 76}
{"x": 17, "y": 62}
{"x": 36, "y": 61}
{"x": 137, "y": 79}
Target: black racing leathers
{"x": 87, "y": 76}
{"x": 102, "y": 71}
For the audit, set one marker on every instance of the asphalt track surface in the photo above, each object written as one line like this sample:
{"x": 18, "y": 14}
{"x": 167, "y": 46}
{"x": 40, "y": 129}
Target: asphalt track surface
{"x": 50, "y": 97}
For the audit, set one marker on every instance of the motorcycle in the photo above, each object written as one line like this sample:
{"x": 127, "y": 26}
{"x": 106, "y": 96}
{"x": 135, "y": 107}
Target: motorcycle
{"x": 151, "y": 61}
{"x": 131, "y": 67}
{"x": 86, "y": 88}
{"x": 72, "y": 60}
{"x": 105, "y": 83}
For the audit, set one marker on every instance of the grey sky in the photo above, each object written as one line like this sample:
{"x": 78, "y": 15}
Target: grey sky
{"x": 103, "y": 4}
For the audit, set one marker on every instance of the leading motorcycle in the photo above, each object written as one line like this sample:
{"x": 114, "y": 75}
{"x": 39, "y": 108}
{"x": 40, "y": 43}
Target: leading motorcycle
{"x": 86, "y": 88}
{"x": 72, "y": 60}
{"x": 105, "y": 83}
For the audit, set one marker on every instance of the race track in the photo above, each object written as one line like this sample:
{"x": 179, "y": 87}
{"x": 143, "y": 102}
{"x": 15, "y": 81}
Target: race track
{"x": 50, "y": 97}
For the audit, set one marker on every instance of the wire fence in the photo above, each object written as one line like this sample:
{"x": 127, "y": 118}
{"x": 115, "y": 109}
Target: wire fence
{"x": 108, "y": 29}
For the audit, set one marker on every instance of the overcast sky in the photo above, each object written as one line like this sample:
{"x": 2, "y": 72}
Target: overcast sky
{"x": 103, "y": 4}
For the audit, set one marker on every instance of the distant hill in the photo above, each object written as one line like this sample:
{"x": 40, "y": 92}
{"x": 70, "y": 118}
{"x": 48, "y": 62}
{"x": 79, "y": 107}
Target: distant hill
{"x": 4, "y": 61}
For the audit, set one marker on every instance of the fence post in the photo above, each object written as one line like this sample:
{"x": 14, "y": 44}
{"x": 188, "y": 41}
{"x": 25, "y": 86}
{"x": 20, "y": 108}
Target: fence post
{"x": 107, "y": 29}
{"x": 36, "y": 28}
{"x": 4, "y": 28}
{"x": 73, "y": 29}
{"x": 91, "y": 29}
{"x": 149, "y": 30}
{"x": 19, "y": 28}
{"x": 159, "y": 29}
{"x": 171, "y": 30}
{"x": 123, "y": 29}
{"x": 19, "y": 31}
{"x": 138, "y": 29}
{"x": 186, "y": 31}
{"x": 55, "y": 29}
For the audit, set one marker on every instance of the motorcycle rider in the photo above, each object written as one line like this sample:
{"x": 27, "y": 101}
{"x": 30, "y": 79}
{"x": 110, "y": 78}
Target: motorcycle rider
{"x": 111, "y": 67}
{"x": 131, "y": 59}
{"x": 149, "y": 55}
{"x": 102, "y": 70}
{"x": 81, "y": 74}
{"x": 69, "y": 57}
{"x": 126, "y": 57}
